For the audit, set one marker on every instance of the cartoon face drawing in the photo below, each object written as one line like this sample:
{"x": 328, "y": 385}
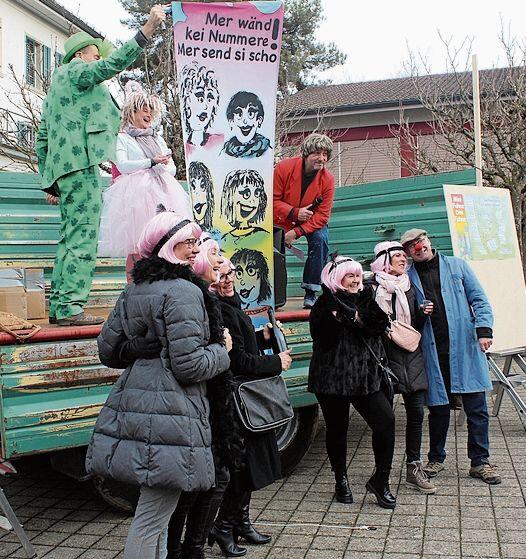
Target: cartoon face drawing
{"x": 251, "y": 280}
{"x": 244, "y": 199}
{"x": 200, "y": 98}
{"x": 202, "y": 194}
{"x": 245, "y": 115}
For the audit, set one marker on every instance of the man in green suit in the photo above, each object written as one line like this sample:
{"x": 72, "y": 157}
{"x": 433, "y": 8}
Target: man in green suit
{"x": 79, "y": 127}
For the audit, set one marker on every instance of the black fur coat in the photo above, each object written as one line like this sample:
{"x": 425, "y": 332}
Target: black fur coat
{"x": 341, "y": 364}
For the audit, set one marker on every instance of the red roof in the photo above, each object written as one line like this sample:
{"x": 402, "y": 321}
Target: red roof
{"x": 392, "y": 92}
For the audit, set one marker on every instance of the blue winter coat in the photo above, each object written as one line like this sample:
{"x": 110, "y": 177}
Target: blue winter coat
{"x": 467, "y": 308}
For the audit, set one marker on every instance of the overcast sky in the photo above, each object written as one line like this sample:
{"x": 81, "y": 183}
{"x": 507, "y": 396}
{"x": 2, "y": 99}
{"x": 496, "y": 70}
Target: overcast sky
{"x": 377, "y": 36}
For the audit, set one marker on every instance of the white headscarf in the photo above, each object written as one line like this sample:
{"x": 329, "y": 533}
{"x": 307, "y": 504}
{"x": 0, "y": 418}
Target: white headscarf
{"x": 389, "y": 284}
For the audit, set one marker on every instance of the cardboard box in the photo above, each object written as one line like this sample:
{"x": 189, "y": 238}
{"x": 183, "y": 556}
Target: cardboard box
{"x": 13, "y": 299}
{"x": 34, "y": 278}
{"x": 36, "y": 293}
{"x": 36, "y": 304}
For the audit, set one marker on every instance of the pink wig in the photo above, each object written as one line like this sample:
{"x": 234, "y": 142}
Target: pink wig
{"x": 333, "y": 272}
{"x": 226, "y": 264}
{"x": 158, "y": 227}
{"x": 382, "y": 254}
{"x": 202, "y": 262}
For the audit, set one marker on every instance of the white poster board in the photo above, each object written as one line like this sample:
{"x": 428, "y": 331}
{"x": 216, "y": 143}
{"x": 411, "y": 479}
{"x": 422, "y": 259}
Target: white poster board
{"x": 483, "y": 234}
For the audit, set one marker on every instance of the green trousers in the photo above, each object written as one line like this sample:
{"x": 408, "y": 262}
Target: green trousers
{"x": 80, "y": 208}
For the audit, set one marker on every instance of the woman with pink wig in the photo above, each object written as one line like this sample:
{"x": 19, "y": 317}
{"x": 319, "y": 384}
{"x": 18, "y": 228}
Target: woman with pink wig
{"x": 209, "y": 259}
{"x": 396, "y": 296}
{"x": 166, "y": 333}
{"x": 346, "y": 326}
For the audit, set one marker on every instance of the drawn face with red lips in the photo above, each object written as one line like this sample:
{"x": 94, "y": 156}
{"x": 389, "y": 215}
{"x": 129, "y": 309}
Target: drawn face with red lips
{"x": 201, "y": 104}
{"x": 199, "y": 198}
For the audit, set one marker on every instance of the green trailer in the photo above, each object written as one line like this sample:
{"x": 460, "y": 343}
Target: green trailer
{"x": 52, "y": 387}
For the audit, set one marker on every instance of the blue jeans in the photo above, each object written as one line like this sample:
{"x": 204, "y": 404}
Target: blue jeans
{"x": 318, "y": 244}
{"x": 476, "y": 410}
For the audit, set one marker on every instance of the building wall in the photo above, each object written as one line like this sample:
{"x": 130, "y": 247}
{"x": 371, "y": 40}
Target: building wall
{"x": 359, "y": 161}
{"x": 434, "y": 149}
{"x": 368, "y": 145}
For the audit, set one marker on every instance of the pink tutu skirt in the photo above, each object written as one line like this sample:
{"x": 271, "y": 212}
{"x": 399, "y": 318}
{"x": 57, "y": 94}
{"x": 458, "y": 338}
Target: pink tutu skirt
{"x": 129, "y": 203}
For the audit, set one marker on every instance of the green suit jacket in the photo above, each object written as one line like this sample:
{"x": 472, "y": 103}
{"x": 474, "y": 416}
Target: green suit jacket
{"x": 80, "y": 120}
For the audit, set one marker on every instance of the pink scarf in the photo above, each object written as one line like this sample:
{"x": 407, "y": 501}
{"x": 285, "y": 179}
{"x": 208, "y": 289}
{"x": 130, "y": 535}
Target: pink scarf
{"x": 389, "y": 284}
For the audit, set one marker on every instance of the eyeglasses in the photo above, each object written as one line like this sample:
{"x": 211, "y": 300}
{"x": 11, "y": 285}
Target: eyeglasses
{"x": 189, "y": 243}
{"x": 229, "y": 276}
{"x": 411, "y": 245}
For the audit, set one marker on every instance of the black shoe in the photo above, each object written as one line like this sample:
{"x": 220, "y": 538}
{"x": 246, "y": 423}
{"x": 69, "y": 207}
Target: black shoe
{"x": 342, "y": 490}
{"x": 248, "y": 533}
{"x": 221, "y": 533}
{"x": 378, "y": 485}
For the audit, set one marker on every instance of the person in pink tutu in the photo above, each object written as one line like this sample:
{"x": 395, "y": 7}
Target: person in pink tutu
{"x": 145, "y": 177}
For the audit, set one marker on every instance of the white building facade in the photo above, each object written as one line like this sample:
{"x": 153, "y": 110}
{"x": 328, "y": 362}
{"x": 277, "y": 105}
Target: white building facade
{"x": 32, "y": 36}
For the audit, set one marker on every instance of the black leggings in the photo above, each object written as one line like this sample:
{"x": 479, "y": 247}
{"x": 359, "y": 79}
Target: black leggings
{"x": 414, "y": 410}
{"x": 377, "y": 412}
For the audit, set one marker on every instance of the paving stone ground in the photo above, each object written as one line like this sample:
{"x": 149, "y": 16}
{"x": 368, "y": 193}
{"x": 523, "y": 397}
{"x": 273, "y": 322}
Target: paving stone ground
{"x": 465, "y": 519}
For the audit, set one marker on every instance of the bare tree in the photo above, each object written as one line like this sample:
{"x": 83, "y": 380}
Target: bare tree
{"x": 449, "y": 142}
{"x": 18, "y": 124}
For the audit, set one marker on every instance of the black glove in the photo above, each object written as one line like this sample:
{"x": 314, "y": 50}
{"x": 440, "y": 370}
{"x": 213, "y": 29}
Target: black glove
{"x": 140, "y": 347}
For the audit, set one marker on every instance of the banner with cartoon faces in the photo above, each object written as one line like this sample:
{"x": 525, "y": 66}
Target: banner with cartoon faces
{"x": 227, "y": 59}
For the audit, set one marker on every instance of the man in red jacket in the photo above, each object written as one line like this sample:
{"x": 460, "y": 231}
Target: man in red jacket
{"x": 303, "y": 195}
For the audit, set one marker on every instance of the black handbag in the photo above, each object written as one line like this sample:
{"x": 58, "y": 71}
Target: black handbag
{"x": 263, "y": 404}
{"x": 390, "y": 381}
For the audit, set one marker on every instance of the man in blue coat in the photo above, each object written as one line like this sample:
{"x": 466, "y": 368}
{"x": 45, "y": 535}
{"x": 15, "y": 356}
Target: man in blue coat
{"x": 454, "y": 341}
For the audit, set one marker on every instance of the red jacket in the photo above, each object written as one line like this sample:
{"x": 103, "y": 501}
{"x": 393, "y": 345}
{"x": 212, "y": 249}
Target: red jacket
{"x": 287, "y": 193}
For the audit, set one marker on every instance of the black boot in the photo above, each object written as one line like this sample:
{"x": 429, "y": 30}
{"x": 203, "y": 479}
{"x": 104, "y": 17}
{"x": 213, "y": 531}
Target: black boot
{"x": 342, "y": 490}
{"x": 222, "y": 534}
{"x": 379, "y": 486}
{"x": 201, "y": 516}
{"x": 243, "y": 527}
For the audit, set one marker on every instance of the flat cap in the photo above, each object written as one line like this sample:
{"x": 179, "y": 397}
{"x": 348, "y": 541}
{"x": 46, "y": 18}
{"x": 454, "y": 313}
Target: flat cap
{"x": 411, "y": 235}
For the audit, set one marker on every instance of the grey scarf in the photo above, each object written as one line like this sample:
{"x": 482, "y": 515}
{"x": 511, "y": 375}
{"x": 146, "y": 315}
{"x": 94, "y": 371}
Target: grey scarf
{"x": 147, "y": 140}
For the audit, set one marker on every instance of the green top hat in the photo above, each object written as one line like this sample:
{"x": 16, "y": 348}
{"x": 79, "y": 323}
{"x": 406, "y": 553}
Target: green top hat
{"x": 82, "y": 39}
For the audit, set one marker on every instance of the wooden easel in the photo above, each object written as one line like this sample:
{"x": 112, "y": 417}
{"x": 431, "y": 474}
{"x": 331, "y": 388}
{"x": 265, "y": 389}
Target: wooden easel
{"x": 10, "y": 522}
{"x": 507, "y": 381}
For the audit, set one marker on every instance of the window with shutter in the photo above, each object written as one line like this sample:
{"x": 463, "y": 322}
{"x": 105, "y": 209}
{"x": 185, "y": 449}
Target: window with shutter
{"x": 30, "y": 62}
{"x": 22, "y": 132}
{"x": 46, "y": 62}
{"x": 26, "y": 134}
{"x": 59, "y": 57}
